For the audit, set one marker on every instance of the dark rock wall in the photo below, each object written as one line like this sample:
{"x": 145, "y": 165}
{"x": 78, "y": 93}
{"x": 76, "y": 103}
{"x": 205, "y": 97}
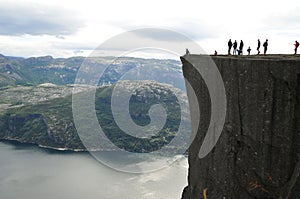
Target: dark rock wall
{"x": 257, "y": 154}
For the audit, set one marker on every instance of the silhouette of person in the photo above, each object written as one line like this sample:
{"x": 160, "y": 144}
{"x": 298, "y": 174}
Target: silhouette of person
{"x": 241, "y": 46}
{"x": 234, "y": 47}
{"x": 249, "y": 50}
{"x": 296, "y": 46}
{"x": 187, "y": 52}
{"x": 216, "y": 53}
{"x": 265, "y": 45}
{"x": 229, "y": 46}
{"x": 258, "y": 46}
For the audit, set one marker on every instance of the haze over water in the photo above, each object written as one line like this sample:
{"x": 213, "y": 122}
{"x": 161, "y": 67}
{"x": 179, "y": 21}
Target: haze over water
{"x": 29, "y": 172}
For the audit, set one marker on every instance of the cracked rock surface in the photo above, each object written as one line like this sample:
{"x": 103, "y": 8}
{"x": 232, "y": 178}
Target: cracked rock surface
{"x": 258, "y": 152}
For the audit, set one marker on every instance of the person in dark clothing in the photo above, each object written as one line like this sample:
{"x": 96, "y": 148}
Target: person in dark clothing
{"x": 258, "y": 46}
{"x": 234, "y": 47}
{"x": 216, "y": 53}
{"x": 241, "y": 46}
{"x": 265, "y": 45}
{"x": 187, "y": 52}
{"x": 296, "y": 46}
{"x": 249, "y": 50}
{"x": 229, "y": 46}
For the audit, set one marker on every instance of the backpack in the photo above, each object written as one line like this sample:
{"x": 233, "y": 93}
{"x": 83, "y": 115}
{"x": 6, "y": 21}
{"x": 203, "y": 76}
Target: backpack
{"x": 265, "y": 44}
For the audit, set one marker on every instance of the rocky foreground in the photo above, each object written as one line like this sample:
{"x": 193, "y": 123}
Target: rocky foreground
{"x": 257, "y": 154}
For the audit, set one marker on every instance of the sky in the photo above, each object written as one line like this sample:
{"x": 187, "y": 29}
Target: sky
{"x": 62, "y": 28}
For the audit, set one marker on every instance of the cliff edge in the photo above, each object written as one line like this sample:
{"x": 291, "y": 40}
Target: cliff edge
{"x": 258, "y": 152}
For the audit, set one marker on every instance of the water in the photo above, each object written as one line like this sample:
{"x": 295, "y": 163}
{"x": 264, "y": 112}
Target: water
{"x": 31, "y": 173}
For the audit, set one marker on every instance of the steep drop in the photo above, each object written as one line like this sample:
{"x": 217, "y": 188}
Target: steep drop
{"x": 257, "y": 154}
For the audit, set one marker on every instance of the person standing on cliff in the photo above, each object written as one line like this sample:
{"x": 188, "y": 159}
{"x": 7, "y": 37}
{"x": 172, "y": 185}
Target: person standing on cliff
{"x": 265, "y": 45}
{"x": 296, "y": 46}
{"x": 249, "y": 50}
{"x": 187, "y": 52}
{"x": 258, "y": 46}
{"x": 234, "y": 47}
{"x": 229, "y": 46}
{"x": 241, "y": 46}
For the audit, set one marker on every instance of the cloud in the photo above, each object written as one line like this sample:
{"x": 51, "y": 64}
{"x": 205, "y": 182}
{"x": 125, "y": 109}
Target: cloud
{"x": 36, "y": 19}
{"x": 191, "y": 28}
{"x": 196, "y": 29}
{"x": 286, "y": 23}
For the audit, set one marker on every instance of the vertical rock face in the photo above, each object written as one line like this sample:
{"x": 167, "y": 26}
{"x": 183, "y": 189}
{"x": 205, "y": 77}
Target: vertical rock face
{"x": 258, "y": 152}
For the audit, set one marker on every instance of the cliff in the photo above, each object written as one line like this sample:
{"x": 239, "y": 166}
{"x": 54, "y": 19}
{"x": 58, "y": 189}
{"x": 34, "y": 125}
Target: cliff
{"x": 257, "y": 153}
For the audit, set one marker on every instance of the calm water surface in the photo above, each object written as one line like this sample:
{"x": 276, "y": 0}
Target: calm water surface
{"x": 32, "y": 173}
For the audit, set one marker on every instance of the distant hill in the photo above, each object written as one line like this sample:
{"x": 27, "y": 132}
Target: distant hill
{"x": 36, "y": 106}
{"x": 49, "y": 123}
{"x": 62, "y": 71}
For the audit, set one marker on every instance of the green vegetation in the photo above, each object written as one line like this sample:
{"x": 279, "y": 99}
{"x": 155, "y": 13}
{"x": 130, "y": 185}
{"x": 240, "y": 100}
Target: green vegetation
{"x": 39, "y": 70}
{"x": 35, "y": 100}
{"x": 138, "y": 109}
{"x": 50, "y": 123}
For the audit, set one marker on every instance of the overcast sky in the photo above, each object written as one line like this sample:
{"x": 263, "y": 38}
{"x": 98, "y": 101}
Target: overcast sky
{"x": 75, "y": 28}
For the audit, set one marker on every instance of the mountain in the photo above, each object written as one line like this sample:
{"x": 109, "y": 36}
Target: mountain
{"x": 62, "y": 71}
{"x": 36, "y": 101}
{"x": 48, "y": 121}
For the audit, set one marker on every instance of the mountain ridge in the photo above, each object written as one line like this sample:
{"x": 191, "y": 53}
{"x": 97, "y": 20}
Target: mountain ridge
{"x": 62, "y": 71}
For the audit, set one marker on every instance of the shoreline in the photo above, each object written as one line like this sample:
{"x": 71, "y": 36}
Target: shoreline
{"x": 16, "y": 142}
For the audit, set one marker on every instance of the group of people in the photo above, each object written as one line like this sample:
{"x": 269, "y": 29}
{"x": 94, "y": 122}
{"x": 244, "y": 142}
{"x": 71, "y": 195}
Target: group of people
{"x": 239, "y": 50}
